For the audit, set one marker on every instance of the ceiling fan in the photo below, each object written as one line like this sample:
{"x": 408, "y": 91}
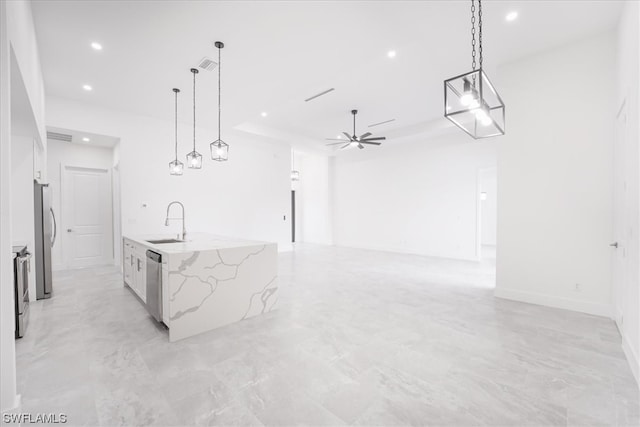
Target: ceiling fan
{"x": 356, "y": 141}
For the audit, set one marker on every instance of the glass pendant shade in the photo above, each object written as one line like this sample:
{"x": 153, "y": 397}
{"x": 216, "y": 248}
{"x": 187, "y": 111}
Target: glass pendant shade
{"x": 473, "y": 104}
{"x": 176, "y": 167}
{"x": 295, "y": 175}
{"x": 194, "y": 160}
{"x": 219, "y": 150}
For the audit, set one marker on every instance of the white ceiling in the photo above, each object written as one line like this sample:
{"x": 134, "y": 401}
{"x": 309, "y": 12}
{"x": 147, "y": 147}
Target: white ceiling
{"x": 79, "y": 137}
{"x": 279, "y": 53}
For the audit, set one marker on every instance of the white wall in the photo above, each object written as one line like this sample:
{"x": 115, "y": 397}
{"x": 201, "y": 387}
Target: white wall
{"x": 555, "y": 177}
{"x": 489, "y": 206}
{"x": 628, "y": 92}
{"x": 22, "y": 201}
{"x": 313, "y": 210}
{"x": 419, "y": 197}
{"x": 62, "y": 154}
{"x": 17, "y": 40}
{"x": 246, "y": 197}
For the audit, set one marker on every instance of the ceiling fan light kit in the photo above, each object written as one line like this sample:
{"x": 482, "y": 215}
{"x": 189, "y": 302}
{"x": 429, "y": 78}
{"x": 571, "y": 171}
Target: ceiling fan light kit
{"x": 354, "y": 140}
{"x": 471, "y": 101}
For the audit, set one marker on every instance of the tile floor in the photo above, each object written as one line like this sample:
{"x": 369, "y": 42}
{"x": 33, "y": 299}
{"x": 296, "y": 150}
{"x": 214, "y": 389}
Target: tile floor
{"x": 361, "y": 338}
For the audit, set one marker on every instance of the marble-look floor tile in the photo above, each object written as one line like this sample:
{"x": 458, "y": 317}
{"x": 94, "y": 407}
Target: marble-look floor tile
{"x": 360, "y": 338}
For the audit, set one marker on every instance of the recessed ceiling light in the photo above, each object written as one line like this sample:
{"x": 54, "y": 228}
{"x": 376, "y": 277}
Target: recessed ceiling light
{"x": 511, "y": 16}
{"x": 263, "y": 114}
{"x": 85, "y": 139}
{"x": 96, "y": 46}
{"x": 87, "y": 87}
{"x": 391, "y": 54}
{"x": 339, "y": 136}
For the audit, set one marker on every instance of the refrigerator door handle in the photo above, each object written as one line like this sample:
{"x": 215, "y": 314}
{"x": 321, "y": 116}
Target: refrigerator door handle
{"x": 55, "y": 227}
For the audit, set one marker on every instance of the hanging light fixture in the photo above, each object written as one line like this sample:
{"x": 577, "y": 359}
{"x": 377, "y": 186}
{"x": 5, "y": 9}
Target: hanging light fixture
{"x": 219, "y": 148}
{"x": 176, "y": 167}
{"x": 295, "y": 175}
{"x": 471, "y": 102}
{"x": 194, "y": 159}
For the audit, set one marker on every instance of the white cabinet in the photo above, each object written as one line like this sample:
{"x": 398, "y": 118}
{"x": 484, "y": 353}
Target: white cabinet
{"x": 135, "y": 268}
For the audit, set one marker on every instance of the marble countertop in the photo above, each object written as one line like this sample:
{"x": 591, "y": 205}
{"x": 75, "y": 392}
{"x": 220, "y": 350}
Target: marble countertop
{"x": 194, "y": 242}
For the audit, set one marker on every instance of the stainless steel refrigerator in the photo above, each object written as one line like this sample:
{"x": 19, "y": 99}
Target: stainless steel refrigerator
{"x": 46, "y": 230}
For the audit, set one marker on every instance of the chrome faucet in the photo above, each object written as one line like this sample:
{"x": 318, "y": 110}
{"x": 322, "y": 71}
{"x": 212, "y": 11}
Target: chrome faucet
{"x": 166, "y": 221}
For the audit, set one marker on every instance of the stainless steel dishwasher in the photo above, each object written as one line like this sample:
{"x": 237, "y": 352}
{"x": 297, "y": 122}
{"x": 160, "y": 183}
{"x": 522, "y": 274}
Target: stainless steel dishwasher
{"x": 154, "y": 285}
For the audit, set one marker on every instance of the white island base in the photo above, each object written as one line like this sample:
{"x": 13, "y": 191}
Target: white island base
{"x": 211, "y": 281}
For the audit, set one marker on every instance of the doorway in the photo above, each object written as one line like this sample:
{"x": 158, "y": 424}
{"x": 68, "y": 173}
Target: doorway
{"x": 487, "y": 214}
{"x": 87, "y": 231}
{"x": 293, "y": 216}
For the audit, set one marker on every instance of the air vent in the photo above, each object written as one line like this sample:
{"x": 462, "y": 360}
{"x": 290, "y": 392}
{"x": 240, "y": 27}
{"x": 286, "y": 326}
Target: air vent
{"x": 381, "y": 123}
{"x": 207, "y": 64}
{"x": 320, "y": 94}
{"x": 59, "y": 136}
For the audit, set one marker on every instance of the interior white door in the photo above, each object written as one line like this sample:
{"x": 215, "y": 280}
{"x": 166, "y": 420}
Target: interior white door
{"x": 621, "y": 219}
{"x": 88, "y": 229}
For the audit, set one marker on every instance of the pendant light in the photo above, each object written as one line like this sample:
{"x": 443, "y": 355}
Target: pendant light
{"x": 194, "y": 159}
{"x": 471, "y": 102}
{"x": 176, "y": 167}
{"x": 295, "y": 175}
{"x": 219, "y": 148}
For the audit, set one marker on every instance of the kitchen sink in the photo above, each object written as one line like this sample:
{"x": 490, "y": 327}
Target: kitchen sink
{"x": 163, "y": 241}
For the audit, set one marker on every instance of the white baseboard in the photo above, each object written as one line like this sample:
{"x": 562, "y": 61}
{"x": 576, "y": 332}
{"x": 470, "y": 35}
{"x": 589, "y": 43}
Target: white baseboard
{"x": 632, "y": 358}
{"x": 555, "y": 301}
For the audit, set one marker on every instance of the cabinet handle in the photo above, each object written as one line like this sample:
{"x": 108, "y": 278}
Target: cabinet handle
{"x": 138, "y": 264}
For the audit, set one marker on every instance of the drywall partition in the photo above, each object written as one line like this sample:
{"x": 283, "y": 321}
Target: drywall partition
{"x": 22, "y": 202}
{"x": 555, "y": 177}
{"x": 416, "y": 197}
{"x": 18, "y": 55}
{"x": 627, "y": 293}
{"x": 61, "y": 154}
{"x": 246, "y": 197}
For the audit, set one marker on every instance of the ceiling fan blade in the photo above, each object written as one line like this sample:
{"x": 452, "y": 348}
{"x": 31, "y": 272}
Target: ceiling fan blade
{"x": 334, "y": 139}
{"x": 335, "y": 143}
{"x": 360, "y": 146}
{"x": 371, "y": 143}
{"x": 345, "y": 145}
{"x": 379, "y": 138}
{"x": 364, "y": 135}
{"x": 347, "y": 135}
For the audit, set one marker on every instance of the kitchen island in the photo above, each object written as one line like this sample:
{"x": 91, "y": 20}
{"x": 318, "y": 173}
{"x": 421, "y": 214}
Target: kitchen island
{"x": 207, "y": 281}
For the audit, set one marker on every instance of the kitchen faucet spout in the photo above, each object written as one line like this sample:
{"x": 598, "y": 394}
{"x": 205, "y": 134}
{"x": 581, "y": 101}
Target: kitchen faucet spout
{"x": 166, "y": 221}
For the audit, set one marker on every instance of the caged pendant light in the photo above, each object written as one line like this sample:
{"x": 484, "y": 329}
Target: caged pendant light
{"x": 194, "y": 159}
{"x": 471, "y": 102}
{"x": 219, "y": 148}
{"x": 176, "y": 167}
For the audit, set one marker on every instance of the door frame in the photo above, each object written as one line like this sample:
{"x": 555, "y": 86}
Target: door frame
{"x": 618, "y": 265}
{"x": 64, "y": 223}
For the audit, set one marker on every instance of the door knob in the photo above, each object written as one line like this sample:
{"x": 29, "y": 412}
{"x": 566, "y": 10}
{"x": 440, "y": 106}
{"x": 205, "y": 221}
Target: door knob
{"x": 614, "y": 244}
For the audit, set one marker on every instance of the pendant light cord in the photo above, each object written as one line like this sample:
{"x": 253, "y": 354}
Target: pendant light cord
{"x": 219, "y": 90}
{"x": 176, "y": 124}
{"x": 473, "y": 35}
{"x": 480, "y": 31}
{"x": 193, "y": 70}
